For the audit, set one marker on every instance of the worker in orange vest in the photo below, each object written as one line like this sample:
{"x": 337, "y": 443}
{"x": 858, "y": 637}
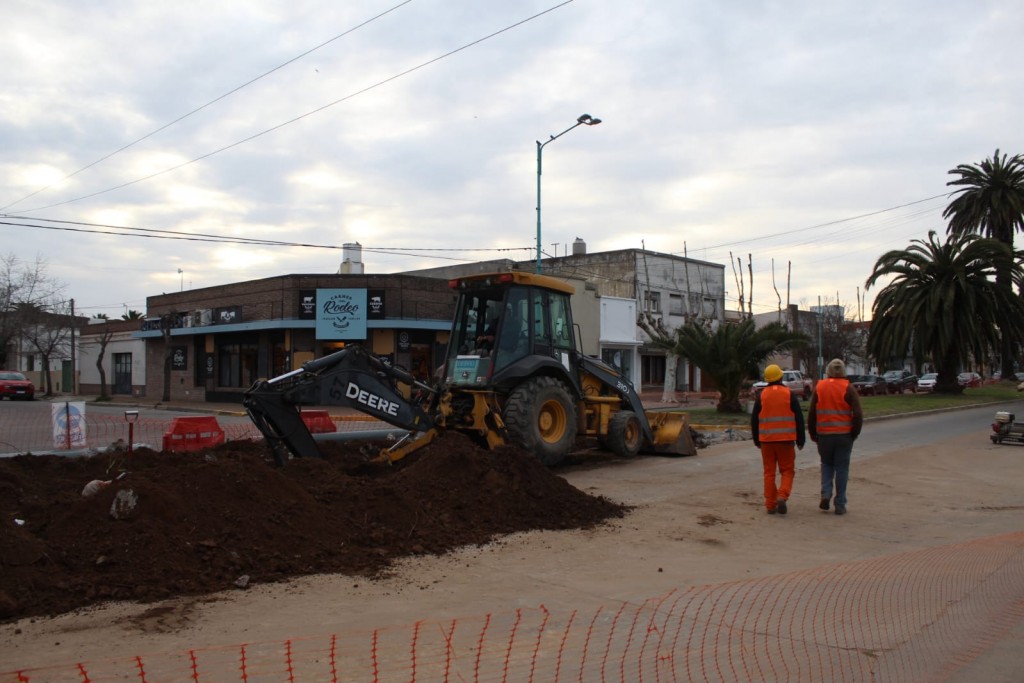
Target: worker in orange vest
{"x": 834, "y": 420}
{"x": 777, "y": 425}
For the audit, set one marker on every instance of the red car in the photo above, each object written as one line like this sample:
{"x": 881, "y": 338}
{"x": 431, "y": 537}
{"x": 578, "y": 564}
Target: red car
{"x": 15, "y": 385}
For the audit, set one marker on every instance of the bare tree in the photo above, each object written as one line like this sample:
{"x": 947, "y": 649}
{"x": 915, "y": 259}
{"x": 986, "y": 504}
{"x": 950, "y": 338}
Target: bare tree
{"x": 25, "y": 288}
{"x": 838, "y": 334}
{"x": 47, "y": 329}
{"x": 101, "y": 341}
{"x": 166, "y": 322}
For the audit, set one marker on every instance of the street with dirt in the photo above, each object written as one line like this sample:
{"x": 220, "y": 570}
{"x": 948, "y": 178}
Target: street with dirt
{"x": 916, "y": 483}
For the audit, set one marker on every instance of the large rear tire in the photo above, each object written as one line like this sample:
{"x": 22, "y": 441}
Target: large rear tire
{"x": 625, "y": 435}
{"x": 541, "y": 418}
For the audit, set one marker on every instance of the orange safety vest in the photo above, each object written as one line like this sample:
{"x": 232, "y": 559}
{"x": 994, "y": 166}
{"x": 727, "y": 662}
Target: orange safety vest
{"x": 776, "y": 421}
{"x": 833, "y": 414}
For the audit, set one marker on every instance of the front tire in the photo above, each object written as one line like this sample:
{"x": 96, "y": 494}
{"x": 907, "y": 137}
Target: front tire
{"x": 541, "y": 418}
{"x": 625, "y": 435}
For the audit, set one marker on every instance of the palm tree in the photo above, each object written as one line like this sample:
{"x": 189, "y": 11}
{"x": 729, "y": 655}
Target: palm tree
{"x": 991, "y": 203}
{"x": 132, "y": 315}
{"x": 732, "y": 353}
{"x": 943, "y": 303}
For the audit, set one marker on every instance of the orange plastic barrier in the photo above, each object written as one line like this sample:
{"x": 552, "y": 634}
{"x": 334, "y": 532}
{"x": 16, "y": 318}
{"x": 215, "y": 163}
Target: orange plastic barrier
{"x": 193, "y": 433}
{"x": 318, "y": 421}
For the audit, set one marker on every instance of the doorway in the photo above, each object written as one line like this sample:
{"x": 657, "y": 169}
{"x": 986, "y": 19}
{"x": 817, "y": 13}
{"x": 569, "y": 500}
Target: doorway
{"x": 122, "y": 374}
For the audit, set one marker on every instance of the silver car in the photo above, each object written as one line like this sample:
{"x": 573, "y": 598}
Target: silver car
{"x": 927, "y": 381}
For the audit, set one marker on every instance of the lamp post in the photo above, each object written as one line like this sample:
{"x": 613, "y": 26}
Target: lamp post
{"x": 583, "y": 120}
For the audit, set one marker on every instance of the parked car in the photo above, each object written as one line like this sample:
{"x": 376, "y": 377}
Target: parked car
{"x": 870, "y": 385}
{"x": 901, "y": 380}
{"x": 795, "y": 380}
{"x": 968, "y": 379}
{"x": 1016, "y": 377}
{"x": 927, "y": 381}
{"x": 15, "y": 385}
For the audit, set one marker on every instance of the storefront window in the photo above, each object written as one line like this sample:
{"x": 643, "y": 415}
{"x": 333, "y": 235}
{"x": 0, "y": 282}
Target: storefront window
{"x": 620, "y": 359}
{"x": 237, "y": 364}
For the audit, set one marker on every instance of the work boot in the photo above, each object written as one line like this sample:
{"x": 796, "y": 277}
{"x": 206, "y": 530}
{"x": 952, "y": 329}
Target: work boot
{"x": 823, "y": 504}
{"x": 780, "y": 505}
{"x": 840, "y": 509}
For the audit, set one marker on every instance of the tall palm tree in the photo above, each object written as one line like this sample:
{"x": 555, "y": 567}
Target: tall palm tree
{"x": 731, "y": 353}
{"x": 943, "y": 303}
{"x": 991, "y": 203}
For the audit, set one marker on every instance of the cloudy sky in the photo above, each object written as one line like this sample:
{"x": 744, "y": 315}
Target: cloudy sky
{"x": 807, "y": 136}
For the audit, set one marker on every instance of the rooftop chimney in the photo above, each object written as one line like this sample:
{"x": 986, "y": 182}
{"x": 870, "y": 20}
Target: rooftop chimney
{"x": 351, "y": 259}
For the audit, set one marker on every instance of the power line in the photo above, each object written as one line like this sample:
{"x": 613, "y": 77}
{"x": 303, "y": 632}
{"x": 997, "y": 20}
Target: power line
{"x": 307, "y": 114}
{"x": 81, "y": 226}
{"x": 211, "y": 102}
{"x": 828, "y": 224}
{"x": 98, "y": 228}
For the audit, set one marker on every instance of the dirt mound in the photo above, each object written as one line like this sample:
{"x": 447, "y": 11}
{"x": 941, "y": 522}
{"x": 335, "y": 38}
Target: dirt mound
{"x": 194, "y": 523}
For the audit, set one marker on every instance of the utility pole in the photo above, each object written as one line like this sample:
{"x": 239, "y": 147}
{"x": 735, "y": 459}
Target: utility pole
{"x": 74, "y": 383}
{"x": 821, "y": 361}
{"x": 582, "y": 120}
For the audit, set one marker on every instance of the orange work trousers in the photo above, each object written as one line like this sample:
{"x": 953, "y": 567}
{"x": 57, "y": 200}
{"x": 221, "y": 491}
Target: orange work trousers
{"x": 781, "y": 456}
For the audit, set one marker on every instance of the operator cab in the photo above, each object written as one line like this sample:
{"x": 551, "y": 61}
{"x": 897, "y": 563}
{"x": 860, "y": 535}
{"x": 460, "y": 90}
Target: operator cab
{"x": 503, "y": 319}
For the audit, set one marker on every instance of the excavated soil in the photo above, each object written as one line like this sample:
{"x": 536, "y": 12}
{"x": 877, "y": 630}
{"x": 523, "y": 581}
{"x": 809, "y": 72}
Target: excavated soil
{"x": 226, "y": 518}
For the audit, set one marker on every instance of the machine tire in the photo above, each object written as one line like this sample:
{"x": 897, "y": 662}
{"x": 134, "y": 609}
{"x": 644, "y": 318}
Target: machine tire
{"x": 625, "y": 435}
{"x": 541, "y": 418}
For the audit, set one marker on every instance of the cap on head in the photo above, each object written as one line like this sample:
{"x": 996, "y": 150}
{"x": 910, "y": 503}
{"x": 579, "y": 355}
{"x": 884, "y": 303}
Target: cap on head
{"x": 772, "y": 373}
{"x": 835, "y": 368}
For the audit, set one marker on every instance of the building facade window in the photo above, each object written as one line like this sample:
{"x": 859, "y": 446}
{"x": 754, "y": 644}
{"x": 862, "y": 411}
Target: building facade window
{"x": 619, "y": 358}
{"x": 652, "y": 370}
{"x": 237, "y": 363}
{"x": 675, "y": 304}
{"x": 652, "y": 302}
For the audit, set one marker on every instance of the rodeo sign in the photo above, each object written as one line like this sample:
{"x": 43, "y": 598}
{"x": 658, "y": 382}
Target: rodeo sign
{"x": 341, "y": 314}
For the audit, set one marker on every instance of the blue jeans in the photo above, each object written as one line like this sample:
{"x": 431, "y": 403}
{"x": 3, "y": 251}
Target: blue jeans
{"x": 835, "y": 451}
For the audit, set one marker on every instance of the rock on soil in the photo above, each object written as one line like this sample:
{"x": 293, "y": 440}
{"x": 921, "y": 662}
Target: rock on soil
{"x": 223, "y": 518}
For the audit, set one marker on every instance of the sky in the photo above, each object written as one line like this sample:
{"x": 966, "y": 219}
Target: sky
{"x": 153, "y": 147}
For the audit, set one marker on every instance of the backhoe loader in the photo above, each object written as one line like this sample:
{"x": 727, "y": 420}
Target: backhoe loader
{"x": 513, "y": 375}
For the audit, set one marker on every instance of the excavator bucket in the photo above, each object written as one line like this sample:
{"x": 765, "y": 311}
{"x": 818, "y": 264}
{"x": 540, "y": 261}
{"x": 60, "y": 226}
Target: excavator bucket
{"x": 671, "y": 433}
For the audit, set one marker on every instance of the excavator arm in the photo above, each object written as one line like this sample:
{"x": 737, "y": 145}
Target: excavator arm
{"x": 352, "y": 378}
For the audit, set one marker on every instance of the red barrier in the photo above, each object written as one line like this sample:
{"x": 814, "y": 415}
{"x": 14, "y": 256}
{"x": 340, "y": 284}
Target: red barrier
{"x": 193, "y": 434}
{"x": 318, "y": 421}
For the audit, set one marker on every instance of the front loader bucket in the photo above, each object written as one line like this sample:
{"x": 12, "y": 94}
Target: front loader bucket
{"x": 671, "y": 433}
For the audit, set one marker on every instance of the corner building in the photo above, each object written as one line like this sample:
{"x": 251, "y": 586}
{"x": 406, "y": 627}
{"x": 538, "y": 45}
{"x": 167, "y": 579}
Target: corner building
{"x": 220, "y": 340}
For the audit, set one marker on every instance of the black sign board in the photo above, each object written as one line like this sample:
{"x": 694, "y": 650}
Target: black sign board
{"x": 227, "y": 315}
{"x": 179, "y": 358}
{"x": 307, "y": 304}
{"x": 375, "y": 304}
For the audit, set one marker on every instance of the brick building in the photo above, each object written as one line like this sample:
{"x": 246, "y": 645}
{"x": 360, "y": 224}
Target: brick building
{"x": 222, "y": 339}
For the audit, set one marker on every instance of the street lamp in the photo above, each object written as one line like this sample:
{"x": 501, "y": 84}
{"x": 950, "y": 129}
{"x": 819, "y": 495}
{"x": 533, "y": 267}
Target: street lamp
{"x": 583, "y": 120}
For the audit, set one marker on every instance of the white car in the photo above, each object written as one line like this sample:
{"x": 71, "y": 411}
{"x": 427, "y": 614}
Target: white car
{"x": 927, "y": 381}
{"x": 802, "y": 386}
